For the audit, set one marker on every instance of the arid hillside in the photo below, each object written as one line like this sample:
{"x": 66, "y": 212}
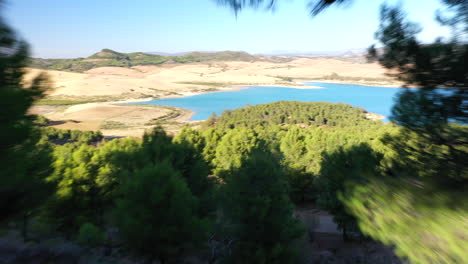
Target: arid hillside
{"x": 112, "y": 83}
{"x": 88, "y": 100}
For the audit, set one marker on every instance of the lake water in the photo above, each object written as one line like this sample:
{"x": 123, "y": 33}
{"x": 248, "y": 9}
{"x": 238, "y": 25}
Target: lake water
{"x": 374, "y": 99}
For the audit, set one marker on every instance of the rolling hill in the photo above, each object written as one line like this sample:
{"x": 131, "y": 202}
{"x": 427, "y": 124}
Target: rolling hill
{"x": 111, "y": 58}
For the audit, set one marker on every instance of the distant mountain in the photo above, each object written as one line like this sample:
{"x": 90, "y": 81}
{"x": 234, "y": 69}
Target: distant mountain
{"x": 214, "y": 55}
{"x": 355, "y": 53}
{"x": 108, "y": 57}
{"x": 352, "y": 55}
{"x": 295, "y": 53}
{"x": 167, "y": 54}
{"x": 223, "y": 56}
{"x": 112, "y": 58}
{"x": 108, "y": 54}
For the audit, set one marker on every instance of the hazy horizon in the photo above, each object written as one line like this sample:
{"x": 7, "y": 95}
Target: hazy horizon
{"x": 291, "y": 53}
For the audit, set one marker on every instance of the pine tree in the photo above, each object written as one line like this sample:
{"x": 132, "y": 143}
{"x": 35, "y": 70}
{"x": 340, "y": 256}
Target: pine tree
{"x": 24, "y": 164}
{"x": 341, "y": 171}
{"x": 259, "y": 212}
{"x": 157, "y": 214}
{"x": 231, "y": 149}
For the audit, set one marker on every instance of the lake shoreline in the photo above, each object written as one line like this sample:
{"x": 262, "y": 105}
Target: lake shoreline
{"x": 233, "y": 88}
{"x": 369, "y": 84}
{"x": 332, "y": 94}
{"x": 147, "y": 111}
{"x": 301, "y": 85}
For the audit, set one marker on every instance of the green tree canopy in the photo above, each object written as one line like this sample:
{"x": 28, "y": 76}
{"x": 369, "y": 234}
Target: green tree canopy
{"x": 420, "y": 207}
{"x": 424, "y": 225}
{"x": 341, "y": 171}
{"x": 258, "y": 209}
{"x": 156, "y": 213}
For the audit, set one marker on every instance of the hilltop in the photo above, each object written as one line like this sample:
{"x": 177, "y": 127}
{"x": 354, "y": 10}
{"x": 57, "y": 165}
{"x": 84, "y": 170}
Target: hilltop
{"x": 111, "y": 58}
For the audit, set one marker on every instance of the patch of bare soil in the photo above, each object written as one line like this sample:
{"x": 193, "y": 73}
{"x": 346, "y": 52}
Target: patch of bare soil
{"x": 181, "y": 79}
{"x": 175, "y": 80}
{"x": 323, "y": 242}
{"x": 116, "y": 120}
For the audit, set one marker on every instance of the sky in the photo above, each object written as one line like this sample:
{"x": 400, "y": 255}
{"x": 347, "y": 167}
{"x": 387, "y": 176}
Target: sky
{"x": 71, "y": 28}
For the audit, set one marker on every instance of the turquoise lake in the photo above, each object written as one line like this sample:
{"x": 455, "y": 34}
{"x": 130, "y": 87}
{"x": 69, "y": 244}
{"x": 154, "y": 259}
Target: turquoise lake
{"x": 372, "y": 98}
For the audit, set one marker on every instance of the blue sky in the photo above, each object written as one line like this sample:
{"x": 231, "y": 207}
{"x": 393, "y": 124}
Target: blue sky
{"x": 78, "y": 28}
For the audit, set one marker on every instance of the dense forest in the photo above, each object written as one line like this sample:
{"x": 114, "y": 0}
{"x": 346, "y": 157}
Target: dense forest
{"x": 236, "y": 181}
{"x": 229, "y": 192}
{"x": 201, "y": 181}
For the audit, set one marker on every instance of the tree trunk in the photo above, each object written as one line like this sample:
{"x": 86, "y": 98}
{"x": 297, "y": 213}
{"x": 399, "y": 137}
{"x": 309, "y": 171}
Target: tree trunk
{"x": 149, "y": 260}
{"x": 345, "y": 235}
{"x": 24, "y": 227}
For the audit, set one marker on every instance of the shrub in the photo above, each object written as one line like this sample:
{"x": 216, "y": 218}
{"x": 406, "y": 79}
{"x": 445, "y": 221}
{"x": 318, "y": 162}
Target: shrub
{"x": 90, "y": 235}
{"x": 41, "y": 120}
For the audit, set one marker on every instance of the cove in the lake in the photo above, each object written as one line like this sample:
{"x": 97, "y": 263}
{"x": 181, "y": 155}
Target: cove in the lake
{"x": 374, "y": 99}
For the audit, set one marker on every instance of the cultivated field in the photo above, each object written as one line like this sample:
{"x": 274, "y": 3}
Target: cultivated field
{"x": 89, "y": 100}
